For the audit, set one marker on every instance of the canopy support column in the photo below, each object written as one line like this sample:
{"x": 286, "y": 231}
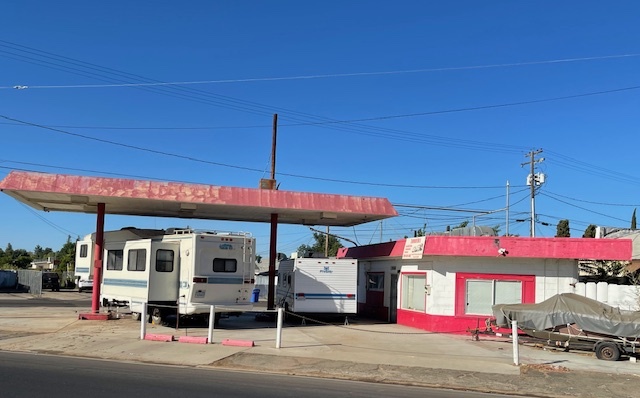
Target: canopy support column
{"x": 97, "y": 262}
{"x": 273, "y": 254}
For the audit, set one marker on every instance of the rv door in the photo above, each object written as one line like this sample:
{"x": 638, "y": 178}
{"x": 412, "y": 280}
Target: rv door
{"x": 164, "y": 272}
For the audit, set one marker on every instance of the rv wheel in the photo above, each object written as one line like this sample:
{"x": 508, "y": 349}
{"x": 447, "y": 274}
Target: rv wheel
{"x": 608, "y": 351}
{"x": 156, "y": 316}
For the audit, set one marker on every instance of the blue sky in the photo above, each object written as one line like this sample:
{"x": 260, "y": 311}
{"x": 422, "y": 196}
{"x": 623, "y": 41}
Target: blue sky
{"x": 437, "y": 104}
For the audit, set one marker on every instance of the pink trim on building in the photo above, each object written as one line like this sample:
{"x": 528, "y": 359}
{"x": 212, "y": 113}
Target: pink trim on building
{"x": 515, "y": 247}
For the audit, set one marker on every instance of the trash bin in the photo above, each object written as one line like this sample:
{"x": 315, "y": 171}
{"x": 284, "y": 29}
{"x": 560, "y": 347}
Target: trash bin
{"x": 255, "y": 296}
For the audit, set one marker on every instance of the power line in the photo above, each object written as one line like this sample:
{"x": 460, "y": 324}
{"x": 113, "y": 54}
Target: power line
{"x": 252, "y": 107}
{"x": 246, "y": 168}
{"x": 593, "y": 203}
{"x": 324, "y": 76}
{"x": 582, "y": 208}
{"x": 208, "y": 98}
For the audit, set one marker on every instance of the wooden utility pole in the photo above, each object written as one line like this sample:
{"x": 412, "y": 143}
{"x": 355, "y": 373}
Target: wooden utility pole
{"x": 273, "y": 252}
{"x": 533, "y": 179}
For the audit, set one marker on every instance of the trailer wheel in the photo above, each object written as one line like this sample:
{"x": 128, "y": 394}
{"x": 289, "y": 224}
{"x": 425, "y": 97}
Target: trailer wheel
{"x": 608, "y": 351}
{"x": 156, "y": 316}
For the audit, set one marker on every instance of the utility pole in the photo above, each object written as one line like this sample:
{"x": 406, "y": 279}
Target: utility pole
{"x": 273, "y": 253}
{"x": 533, "y": 180}
{"x": 326, "y": 243}
{"x": 507, "y": 227}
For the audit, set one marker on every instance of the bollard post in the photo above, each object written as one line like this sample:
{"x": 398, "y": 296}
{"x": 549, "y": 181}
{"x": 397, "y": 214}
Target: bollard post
{"x": 143, "y": 321}
{"x": 516, "y": 349}
{"x": 212, "y": 321}
{"x": 279, "y": 327}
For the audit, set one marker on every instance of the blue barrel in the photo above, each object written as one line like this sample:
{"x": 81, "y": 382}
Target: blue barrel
{"x": 255, "y": 295}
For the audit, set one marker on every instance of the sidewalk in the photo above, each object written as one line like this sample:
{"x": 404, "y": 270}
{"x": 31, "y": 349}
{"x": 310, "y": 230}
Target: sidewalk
{"x": 362, "y": 351}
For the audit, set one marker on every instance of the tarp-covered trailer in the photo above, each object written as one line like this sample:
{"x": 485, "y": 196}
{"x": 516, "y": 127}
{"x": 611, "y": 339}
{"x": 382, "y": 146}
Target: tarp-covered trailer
{"x": 572, "y": 321}
{"x": 318, "y": 285}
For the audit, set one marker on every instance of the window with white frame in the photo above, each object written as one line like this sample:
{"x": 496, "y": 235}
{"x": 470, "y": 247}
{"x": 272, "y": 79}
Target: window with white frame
{"x": 481, "y": 294}
{"x": 114, "y": 260}
{"x": 137, "y": 260}
{"x": 413, "y": 292}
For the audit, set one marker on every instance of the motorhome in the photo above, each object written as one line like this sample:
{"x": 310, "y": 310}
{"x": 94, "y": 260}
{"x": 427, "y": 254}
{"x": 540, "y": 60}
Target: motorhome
{"x": 318, "y": 285}
{"x": 83, "y": 272}
{"x": 177, "y": 271}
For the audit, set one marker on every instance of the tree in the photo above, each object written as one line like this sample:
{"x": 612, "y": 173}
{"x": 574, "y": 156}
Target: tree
{"x": 603, "y": 270}
{"x": 21, "y": 258}
{"x": 563, "y": 230}
{"x": 633, "y": 219}
{"x": 318, "y": 246}
{"x": 66, "y": 255}
{"x": 590, "y": 232}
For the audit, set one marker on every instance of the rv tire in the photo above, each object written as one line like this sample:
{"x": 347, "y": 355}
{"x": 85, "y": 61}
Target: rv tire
{"x": 156, "y": 316}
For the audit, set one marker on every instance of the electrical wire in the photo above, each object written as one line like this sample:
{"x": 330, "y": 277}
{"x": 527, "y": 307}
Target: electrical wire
{"x": 253, "y": 107}
{"x": 331, "y": 75}
{"x": 593, "y": 203}
{"x": 582, "y": 208}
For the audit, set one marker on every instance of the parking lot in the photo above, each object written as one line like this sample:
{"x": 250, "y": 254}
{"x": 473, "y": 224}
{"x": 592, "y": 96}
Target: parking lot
{"x": 363, "y": 350}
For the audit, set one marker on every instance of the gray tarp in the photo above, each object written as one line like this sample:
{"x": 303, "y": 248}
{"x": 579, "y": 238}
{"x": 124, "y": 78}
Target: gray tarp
{"x": 562, "y": 309}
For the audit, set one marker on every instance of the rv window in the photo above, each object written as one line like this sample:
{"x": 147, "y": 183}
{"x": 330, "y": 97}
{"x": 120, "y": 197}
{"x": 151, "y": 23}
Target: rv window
{"x": 84, "y": 250}
{"x": 225, "y": 265}
{"x": 164, "y": 260}
{"x": 114, "y": 260}
{"x": 137, "y": 260}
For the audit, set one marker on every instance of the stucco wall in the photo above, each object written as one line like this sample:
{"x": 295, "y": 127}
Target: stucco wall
{"x": 551, "y": 276}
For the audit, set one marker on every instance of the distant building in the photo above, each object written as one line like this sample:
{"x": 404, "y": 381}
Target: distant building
{"x": 44, "y": 264}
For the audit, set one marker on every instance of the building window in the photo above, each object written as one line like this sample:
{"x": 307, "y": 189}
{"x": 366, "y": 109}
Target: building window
{"x": 483, "y": 293}
{"x": 225, "y": 265}
{"x": 413, "y": 292}
{"x": 84, "y": 250}
{"x": 164, "y": 260}
{"x": 114, "y": 260}
{"x": 137, "y": 260}
{"x": 375, "y": 281}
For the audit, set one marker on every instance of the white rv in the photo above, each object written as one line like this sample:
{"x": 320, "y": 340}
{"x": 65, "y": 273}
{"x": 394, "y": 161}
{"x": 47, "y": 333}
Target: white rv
{"x": 318, "y": 285}
{"x": 85, "y": 252}
{"x": 180, "y": 271}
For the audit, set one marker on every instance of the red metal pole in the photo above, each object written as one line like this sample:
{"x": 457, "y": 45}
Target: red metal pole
{"x": 97, "y": 260}
{"x": 272, "y": 261}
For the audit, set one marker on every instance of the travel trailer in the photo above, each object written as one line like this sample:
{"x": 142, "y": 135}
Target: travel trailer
{"x": 177, "y": 271}
{"x": 318, "y": 285}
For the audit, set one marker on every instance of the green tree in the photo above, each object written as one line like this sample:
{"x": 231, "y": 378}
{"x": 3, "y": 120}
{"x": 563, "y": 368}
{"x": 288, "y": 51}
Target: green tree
{"x": 633, "y": 219}
{"x": 319, "y": 244}
{"x": 602, "y": 270}
{"x": 563, "y": 230}
{"x": 66, "y": 255}
{"x": 21, "y": 258}
{"x": 590, "y": 232}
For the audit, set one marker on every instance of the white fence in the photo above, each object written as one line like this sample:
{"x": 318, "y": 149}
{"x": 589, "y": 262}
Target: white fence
{"x": 624, "y": 296}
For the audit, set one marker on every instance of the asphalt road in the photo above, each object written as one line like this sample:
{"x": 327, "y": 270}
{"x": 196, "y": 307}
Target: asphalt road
{"x": 80, "y": 302}
{"x": 32, "y": 375}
